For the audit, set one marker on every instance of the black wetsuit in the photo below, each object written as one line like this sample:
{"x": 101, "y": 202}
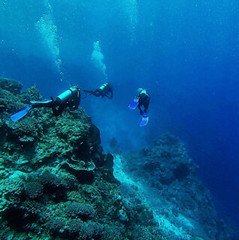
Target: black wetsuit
{"x": 143, "y": 105}
{"x": 69, "y": 98}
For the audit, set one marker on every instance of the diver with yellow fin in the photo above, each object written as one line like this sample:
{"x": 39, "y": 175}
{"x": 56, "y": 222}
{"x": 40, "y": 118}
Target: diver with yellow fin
{"x": 69, "y": 98}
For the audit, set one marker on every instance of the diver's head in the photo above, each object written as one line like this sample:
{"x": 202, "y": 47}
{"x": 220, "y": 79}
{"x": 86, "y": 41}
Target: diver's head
{"x": 139, "y": 90}
{"x": 74, "y": 88}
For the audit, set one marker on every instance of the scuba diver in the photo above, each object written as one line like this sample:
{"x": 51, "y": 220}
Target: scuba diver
{"x": 141, "y": 101}
{"x": 105, "y": 90}
{"x": 144, "y": 100}
{"x": 69, "y": 98}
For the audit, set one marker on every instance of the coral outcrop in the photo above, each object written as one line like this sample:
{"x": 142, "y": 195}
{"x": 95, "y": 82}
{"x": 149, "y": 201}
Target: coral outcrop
{"x": 166, "y": 177}
{"x": 56, "y": 182}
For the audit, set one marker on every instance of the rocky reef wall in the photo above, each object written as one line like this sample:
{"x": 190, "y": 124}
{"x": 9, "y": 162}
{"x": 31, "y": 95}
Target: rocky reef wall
{"x": 56, "y": 182}
{"x": 166, "y": 178}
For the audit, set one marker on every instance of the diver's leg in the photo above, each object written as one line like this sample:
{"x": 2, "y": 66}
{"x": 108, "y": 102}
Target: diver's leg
{"x": 37, "y": 104}
{"x": 97, "y": 93}
{"x": 140, "y": 110}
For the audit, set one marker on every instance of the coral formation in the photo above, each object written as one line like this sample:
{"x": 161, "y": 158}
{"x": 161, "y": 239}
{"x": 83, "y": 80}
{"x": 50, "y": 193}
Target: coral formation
{"x": 56, "y": 181}
{"x": 166, "y": 177}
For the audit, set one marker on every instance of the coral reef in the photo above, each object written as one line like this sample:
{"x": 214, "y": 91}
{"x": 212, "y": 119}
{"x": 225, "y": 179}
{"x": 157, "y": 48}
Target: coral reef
{"x": 56, "y": 181}
{"x": 165, "y": 176}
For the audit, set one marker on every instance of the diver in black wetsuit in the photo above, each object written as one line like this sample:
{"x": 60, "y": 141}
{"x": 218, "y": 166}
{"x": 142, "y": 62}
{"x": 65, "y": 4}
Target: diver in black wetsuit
{"x": 70, "y": 98}
{"x": 143, "y": 101}
{"x": 105, "y": 90}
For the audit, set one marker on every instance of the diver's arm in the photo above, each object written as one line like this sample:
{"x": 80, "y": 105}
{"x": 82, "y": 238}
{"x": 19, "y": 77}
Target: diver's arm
{"x": 146, "y": 105}
{"x": 74, "y": 104}
{"x": 95, "y": 93}
{"x": 88, "y": 91}
{"x": 98, "y": 93}
{"x": 109, "y": 95}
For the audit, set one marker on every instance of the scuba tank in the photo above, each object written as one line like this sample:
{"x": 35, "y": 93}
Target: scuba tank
{"x": 65, "y": 96}
{"x": 103, "y": 86}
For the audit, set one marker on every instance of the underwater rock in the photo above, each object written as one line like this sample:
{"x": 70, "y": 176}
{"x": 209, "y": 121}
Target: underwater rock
{"x": 33, "y": 189}
{"x": 84, "y": 211}
{"x": 56, "y": 226}
{"x": 57, "y": 181}
{"x": 166, "y": 177}
{"x": 30, "y": 94}
{"x": 9, "y": 102}
{"x": 181, "y": 171}
{"x": 123, "y": 216}
{"x": 83, "y": 171}
{"x": 10, "y": 85}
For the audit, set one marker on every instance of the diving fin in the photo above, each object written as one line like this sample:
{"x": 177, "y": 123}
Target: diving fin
{"x": 144, "y": 121}
{"x": 134, "y": 104}
{"x": 21, "y": 113}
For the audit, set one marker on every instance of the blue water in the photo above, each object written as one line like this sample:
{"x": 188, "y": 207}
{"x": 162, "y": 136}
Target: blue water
{"x": 186, "y": 53}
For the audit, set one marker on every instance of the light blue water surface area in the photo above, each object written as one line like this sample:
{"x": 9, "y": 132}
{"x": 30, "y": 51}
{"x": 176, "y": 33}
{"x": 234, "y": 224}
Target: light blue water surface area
{"x": 186, "y": 53}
